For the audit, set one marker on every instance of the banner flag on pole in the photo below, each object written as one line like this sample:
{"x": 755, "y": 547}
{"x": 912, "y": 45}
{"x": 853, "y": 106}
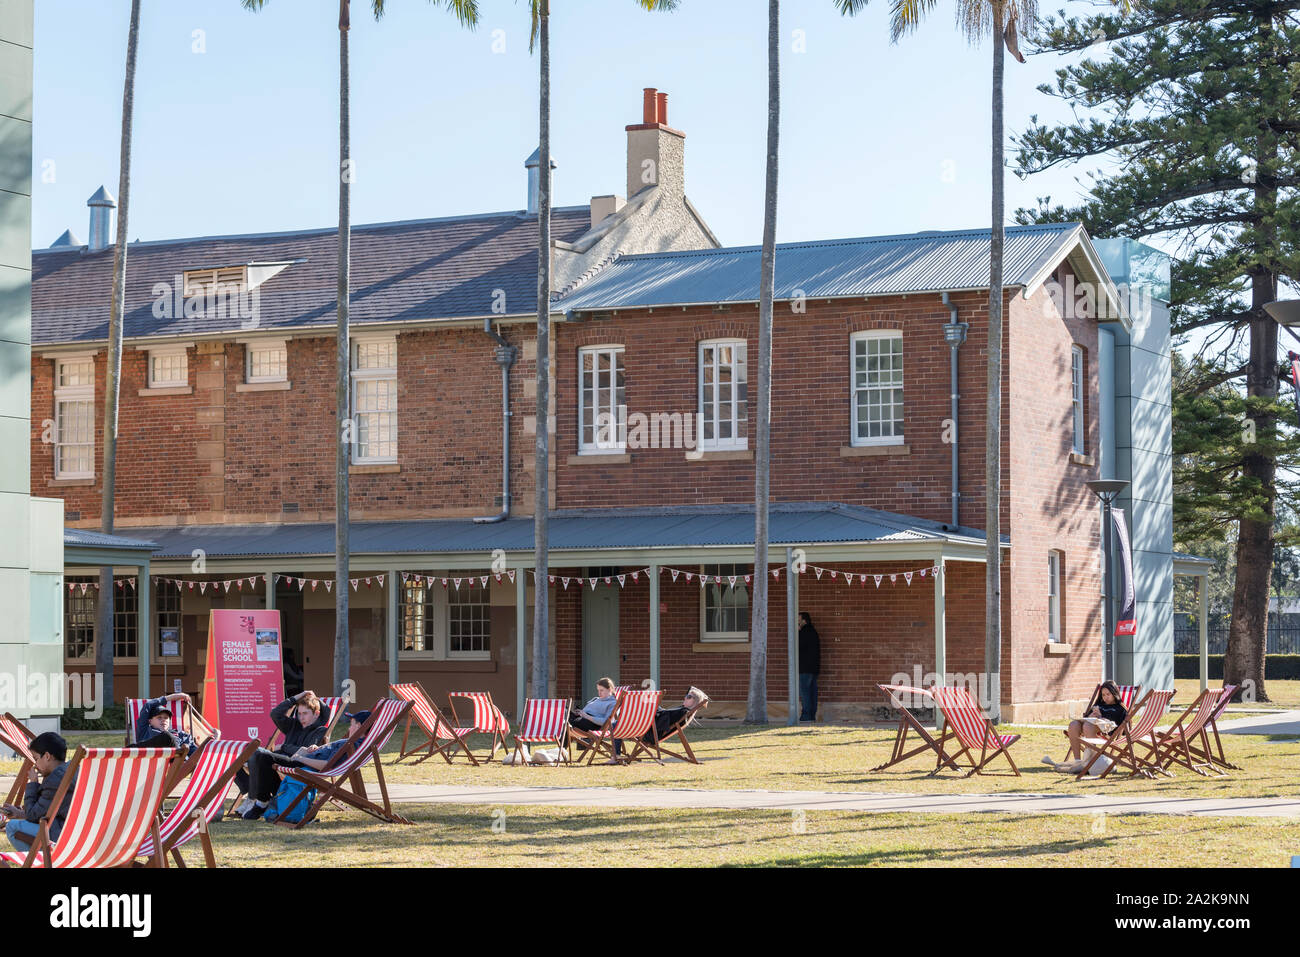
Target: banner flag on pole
{"x": 1125, "y": 621}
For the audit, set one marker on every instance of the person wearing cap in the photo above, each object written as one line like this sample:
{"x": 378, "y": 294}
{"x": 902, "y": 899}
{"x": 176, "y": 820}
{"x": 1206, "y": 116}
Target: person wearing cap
{"x": 23, "y": 823}
{"x": 318, "y": 756}
{"x": 153, "y": 729}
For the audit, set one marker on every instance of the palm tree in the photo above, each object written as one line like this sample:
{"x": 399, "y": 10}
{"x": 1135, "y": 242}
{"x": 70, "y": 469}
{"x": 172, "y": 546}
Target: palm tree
{"x": 466, "y": 13}
{"x": 977, "y": 19}
{"x": 113, "y": 377}
{"x": 756, "y": 708}
{"x": 539, "y": 39}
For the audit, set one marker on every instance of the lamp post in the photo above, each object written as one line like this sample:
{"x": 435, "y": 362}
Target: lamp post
{"x": 1285, "y": 312}
{"x": 1107, "y": 490}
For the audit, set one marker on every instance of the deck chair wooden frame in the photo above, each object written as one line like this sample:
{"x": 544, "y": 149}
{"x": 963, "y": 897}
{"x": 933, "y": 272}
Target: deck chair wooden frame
{"x": 676, "y": 730}
{"x": 1175, "y": 744}
{"x": 443, "y": 739}
{"x": 15, "y": 735}
{"x": 636, "y": 711}
{"x": 1216, "y": 756}
{"x": 488, "y": 719}
{"x": 211, "y": 774}
{"x": 185, "y": 717}
{"x": 114, "y": 808}
{"x": 964, "y": 724}
{"x": 908, "y": 723}
{"x": 341, "y": 779}
{"x": 1118, "y": 746}
{"x": 545, "y": 721}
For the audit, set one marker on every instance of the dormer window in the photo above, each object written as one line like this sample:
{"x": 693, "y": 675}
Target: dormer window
{"x": 215, "y": 282}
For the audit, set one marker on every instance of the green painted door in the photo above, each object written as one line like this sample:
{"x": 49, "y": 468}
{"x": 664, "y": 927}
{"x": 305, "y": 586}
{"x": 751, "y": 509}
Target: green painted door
{"x": 600, "y": 656}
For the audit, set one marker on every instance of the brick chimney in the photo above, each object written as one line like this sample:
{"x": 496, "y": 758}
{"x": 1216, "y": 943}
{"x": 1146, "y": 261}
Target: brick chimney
{"x": 655, "y": 151}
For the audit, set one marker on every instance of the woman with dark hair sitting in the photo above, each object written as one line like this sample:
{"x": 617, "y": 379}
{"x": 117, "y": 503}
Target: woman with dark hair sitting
{"x": 1104, "y": 717}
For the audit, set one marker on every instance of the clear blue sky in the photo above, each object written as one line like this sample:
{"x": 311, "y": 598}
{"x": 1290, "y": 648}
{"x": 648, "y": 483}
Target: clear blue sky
{"x": 243, "y": 137}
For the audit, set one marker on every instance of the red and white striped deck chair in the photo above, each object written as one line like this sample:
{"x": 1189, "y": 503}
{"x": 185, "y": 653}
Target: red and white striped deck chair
{"x": 443, "y": 736}
{"x": 341, "y": 780}
{"x": 114, "y": 808}
{"x": 210, "y": 778}
{"x": 184, "y": 718}
{"x": 545, "y": 721}
{"x": 14, "y": 735}
{"x": 488, "y": 719}
{"x": 1175, "y": 744}
{"x": 633, "y": 718}
{"x": 336, "y": 707}
{"x": 676, "y": 730}
{"x": 1118, "y": 746}
{"x": 965, "y": 723}
{"x": 1216, "y": 757}
{"x": 908, "y": 723}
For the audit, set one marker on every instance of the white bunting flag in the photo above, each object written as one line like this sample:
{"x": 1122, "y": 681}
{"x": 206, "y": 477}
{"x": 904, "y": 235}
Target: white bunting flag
{"x": 622, "y": 579}
{"x": 877, "y": 578}
{"x": 893, "y": 579}
{"x": 731, "y": 580}
{"x": 848, "y": 578}
{"x": 675, "y": 573}
{"x": 818, "y": 571}
{"x": 592, "y": 582}
{"x": 227, "y": 584}
{"x": 704, "y": 580}
{"x": 329, "y": 584}
{"x": 202, "y": 587}
{"x": 565, "y": 582}
{"x": 456, "y": 582}
{"x": 908, "y": 576}
{"x": 381, "y": 580}
{"x": 510, "y": 573}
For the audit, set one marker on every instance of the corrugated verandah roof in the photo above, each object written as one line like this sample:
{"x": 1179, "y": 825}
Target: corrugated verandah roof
{"x": 872, "y": 265}
{"x": 408, "y": 271}
{"x": 570, "y": 530}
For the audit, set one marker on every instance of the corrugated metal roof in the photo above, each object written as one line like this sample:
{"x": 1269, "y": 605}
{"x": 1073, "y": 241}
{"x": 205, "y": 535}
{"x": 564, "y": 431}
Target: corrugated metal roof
{"x": 874, "y": 265}
{"x": 570, "y": 530}
{"x": 85, "y": 538}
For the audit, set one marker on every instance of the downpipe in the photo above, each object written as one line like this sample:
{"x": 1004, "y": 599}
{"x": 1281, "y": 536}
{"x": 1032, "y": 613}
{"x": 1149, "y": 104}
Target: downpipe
{"x": 504, "y": 354}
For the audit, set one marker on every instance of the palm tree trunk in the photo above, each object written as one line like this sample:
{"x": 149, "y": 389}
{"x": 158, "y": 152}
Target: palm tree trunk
{"x": 346, "y": 428}
{"x": 756, "y": 709}
{"x": 541, "y": 470}
{"x": 113, "y": 372}
{"x": 993, "y": 435}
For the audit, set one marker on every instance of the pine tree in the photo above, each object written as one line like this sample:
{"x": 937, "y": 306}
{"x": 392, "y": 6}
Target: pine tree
{"x": 1195, "y": 99}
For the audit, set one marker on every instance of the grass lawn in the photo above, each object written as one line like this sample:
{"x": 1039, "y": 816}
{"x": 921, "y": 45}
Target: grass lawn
{"x": 505, "y": 836}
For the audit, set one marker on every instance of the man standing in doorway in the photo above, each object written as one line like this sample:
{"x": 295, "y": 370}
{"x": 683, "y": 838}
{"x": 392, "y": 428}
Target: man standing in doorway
{"x": 810, "y": 666}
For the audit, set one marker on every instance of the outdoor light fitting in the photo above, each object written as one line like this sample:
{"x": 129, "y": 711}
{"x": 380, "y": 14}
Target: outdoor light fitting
{"x": 1285, "y": 312}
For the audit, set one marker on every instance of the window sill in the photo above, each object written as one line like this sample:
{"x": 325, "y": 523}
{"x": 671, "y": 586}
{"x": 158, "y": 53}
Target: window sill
{"x": 167, "y": 390}
{"x": 850, "y": 451}
{"x": 1056, "y": 648}
{"x": 1078, "y": 458}
{"x": 599, "y": 458}
{"x": 263, "y": 386}
{"x": 69, "y": 482}
{"x": 442, "y": 665}
{"x": 720, "y": 455}
{"x": 721, "y": 647}
{"x": 376, "y": 469}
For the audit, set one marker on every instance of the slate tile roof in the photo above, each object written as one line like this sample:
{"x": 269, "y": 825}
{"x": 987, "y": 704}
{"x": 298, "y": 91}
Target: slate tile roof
{"x": 415, "y": 270}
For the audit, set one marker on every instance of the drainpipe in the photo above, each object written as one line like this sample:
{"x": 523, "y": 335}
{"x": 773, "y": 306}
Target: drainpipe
{"x": 505, "y": 357}
{"x": 954, "y": 333}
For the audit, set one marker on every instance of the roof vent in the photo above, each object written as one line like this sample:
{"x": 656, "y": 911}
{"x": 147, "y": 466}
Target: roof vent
{"x": 101, "y": 206}
{"x": 68, "y": 240}
{"x": 533, "y": 164}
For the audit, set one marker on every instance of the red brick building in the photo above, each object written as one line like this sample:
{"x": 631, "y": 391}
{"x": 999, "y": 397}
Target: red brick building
{"x": 227, "y": 426}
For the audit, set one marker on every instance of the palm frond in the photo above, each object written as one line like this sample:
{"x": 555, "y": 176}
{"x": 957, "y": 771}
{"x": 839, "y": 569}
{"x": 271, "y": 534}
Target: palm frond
{"x": 653, "y": 5}
{"x": 465, "y": 11}
{"x": 851, "y": 8}
{"x": 254, "y": 5}
{"x": 906, "y": 15}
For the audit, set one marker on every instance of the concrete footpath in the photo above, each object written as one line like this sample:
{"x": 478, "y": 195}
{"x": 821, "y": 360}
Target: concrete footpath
{"x": 873, "y": 802}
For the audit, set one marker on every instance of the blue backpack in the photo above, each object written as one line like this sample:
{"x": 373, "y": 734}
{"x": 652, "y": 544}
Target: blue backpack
{"x": 290, "y": 789}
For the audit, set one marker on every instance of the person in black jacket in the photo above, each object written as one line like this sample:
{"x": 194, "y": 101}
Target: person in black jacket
{"x": 51, "y": 753}
{"x": 303, "y": 719}
{"x": 810, "y": 667}
{"x": 153, "y": 729}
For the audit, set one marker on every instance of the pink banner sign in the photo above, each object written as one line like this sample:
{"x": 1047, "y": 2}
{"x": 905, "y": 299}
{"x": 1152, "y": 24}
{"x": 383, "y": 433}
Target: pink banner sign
{"x": 245, "y": 674}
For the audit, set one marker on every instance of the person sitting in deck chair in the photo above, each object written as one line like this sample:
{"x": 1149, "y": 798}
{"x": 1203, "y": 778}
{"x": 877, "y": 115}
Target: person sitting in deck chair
{"x": 318, "y": 756}
{"x": 303, "y": 720}
{"x": 23, "y": 824}
{"x": 593, "y": 715}
{"x": 665, "y": 718}
{"x": 1107, "y": 709}
{"x": 153, "y": 729}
